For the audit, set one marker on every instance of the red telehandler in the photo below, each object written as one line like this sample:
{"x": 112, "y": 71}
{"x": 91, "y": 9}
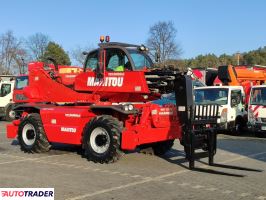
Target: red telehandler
{"x": 109, "y": 108}
{"x": 25, "y": 89}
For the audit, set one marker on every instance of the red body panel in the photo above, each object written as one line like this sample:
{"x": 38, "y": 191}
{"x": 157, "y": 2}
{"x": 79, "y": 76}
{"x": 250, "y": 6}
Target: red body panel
{"x": 44, "y": 89}
{"x": 156, "y": 124}
{"x": 12, "y": 131}
{"x": 115, "y": 86}
{"x": 130, "y": 140}
{"x": 65, "y": 124}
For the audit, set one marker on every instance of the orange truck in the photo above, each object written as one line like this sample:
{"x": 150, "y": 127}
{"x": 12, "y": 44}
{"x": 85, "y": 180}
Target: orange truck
{"x": 241, "y": 76}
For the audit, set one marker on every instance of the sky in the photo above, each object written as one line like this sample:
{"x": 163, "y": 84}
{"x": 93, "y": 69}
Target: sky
{"x": 203, "y": 26}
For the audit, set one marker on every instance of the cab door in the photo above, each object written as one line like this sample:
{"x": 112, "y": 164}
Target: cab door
{"x": 6, "y": 94}
{"x": 237, "y": 106}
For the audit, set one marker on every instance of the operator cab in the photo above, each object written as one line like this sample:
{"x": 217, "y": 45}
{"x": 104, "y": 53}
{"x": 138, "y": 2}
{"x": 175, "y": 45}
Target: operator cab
{"x": 118, "y": 57}
{"x": 115, "y": 69}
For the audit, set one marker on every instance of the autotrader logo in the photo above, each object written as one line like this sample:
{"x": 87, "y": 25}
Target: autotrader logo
{"x": 27, "y": 193}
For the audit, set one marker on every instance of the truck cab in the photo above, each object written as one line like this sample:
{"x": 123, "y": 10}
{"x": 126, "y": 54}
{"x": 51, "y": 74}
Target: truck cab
{"x": 231, "y": 105}
{"x": 6, "y": 102}
{"x": 257, "y": 110}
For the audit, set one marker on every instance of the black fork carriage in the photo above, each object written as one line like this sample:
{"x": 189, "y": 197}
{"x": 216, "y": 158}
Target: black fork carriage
{"x": 199, "y": 123}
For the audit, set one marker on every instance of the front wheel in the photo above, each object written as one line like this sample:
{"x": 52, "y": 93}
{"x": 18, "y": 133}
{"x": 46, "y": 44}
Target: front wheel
{"x": 101, "y": 141}
{"x": 31, "y": 135}
{"x": 10, "y": 114}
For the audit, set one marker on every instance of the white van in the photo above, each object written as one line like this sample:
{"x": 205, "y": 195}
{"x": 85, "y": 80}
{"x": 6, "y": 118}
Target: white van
{"x": 230, "y": 99}
{"x": 257, "y": 110}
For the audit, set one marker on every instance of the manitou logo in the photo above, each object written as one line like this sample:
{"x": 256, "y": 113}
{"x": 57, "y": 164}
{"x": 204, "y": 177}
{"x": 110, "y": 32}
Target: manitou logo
{"x": 73, "y": 115}
{"x": 70, "y": 130}
{"x": 107, "y": 81}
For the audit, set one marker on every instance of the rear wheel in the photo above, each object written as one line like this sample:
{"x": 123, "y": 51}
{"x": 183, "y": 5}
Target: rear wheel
{"x": 101, "y": 141}
{"x": 260, "y": 134}
{"x": 161, "y": 148}
{"x": 239, "y": 126}
{"x": 31, "y": 135}
{"x": 10, "y": 114}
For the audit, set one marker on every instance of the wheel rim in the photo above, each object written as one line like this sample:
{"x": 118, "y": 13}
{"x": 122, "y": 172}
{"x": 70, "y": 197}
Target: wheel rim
{"x": 99, "y": 140}
{"x": 29, "y": 134}
{"x": 11, "y": 114}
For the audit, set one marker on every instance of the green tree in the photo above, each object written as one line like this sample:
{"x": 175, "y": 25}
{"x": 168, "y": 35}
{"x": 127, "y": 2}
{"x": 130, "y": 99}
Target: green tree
{"x": 256, "y": 57}
{"x": 56, "y": 52}
{"x": 225, "y": 59}
{"x": 203, "y": 61}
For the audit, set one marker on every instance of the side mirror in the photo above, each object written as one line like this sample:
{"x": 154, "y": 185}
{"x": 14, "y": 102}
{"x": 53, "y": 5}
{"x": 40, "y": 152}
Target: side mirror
{"x": 235, "y": 101}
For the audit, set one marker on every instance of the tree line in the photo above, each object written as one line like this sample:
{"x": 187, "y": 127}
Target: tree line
{"x": 161, "y": 41}
{"x": 16, "y": 53}
{"x": 250, "y": 58}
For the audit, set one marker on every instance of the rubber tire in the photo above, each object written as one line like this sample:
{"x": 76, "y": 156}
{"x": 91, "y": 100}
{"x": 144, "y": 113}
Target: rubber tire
{"x": 41, "y": 144}
{"x": 161, "y": 148}
{"x": 238, "y": 131}
{"x": 7, "y": 117}
{"x": 260, "y": 134}
{"x": 114, "y": 129}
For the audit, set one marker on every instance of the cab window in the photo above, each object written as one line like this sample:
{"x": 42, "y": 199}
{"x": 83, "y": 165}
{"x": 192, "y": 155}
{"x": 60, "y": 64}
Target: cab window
{"x": 258, "y": 96}
{"x": 21, "y": 82}
{"x": 116, "y": 60}
{"x": 92, "y": 61}
{"x": 141, "y": 60}
{"x": 5, "y": 89}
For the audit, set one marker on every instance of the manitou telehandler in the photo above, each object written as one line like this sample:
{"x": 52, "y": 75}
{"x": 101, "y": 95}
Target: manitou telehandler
{"x": 109, "y": 108}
